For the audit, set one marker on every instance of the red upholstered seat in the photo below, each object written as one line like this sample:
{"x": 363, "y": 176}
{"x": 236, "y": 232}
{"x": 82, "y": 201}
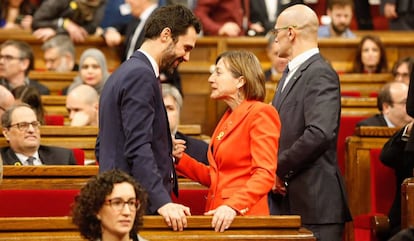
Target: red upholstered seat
{"x": 350, "y": 93}
{"x": 382, "y": 188}
{"x": 54, "y": 120}
{"x": 195, "y": 199}
{"x": 36, "y": 203}
{"x": 79, "y": 156}
{"x": 346, "y": 128}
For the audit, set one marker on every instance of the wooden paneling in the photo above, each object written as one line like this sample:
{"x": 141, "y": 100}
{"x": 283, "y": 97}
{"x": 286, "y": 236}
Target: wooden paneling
{"x": 276, "y": 228}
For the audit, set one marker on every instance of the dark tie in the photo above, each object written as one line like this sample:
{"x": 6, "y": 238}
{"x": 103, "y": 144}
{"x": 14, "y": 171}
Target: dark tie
{"x": 277, "y": 97}
{"x": 30, "y": 160}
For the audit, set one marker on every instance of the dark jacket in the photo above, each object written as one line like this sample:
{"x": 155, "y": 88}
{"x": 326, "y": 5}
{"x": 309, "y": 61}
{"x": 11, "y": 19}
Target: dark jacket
{"x": 49, "y": 155}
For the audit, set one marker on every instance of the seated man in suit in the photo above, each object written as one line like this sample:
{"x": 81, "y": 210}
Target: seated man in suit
{"x": 391, "y": 102}
{"x": 21, "y": 130}
{"x": 173, "y": 102}
{"x": 16, "y": 61}
{"x": 82, "y": 104}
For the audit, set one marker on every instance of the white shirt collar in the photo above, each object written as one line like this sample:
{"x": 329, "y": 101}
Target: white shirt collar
{"x": 298, "y": 60}
{"x": 147, "y": 12}
{"x": 23, "y": 159}
{"x": 153, "y": 63}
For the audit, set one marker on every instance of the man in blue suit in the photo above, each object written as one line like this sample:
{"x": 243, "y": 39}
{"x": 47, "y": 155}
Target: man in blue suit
{"x": 133, "y": 126}
{"x": 308, "y": 100}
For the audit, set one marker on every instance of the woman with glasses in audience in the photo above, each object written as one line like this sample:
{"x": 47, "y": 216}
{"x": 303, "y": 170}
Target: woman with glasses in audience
{"x": 110, "y": 207}
{"x": 371, "y": 56}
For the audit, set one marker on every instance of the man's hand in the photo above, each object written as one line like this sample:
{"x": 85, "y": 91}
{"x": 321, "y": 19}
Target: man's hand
{"x": 389, "y": 11}
{"x": 175, "y": 215}
{"x": 223, "y": 216}
{"x": 44, "y": 33}
{"x": 112, "y": 37}
{"x": 76, "y": 32}
{"x": 80, "y": 118}
{"x": 229, "y": 29}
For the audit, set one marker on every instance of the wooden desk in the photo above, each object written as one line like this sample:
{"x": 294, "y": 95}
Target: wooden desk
{"x": 276, "y": 228}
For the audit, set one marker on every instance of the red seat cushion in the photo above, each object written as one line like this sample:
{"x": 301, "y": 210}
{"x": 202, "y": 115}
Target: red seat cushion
{"x": 79, "y": 156}
{"x": 195, "y": 199}
{"x": 346, "y": 128}
{"x": 36, "y": 203}
{"x": 54, "y": 120}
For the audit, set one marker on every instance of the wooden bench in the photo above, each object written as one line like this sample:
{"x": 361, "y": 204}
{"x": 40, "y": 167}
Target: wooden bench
{"x": 61, "y": 177}
{"x": 357, "y": 174}
{"x": 55, "y": 81}
{"x": 85, "y": 137}
{"x": 407, "y": 203}
{"x": 276, "y": 228}
{"x": 111, "y": 54}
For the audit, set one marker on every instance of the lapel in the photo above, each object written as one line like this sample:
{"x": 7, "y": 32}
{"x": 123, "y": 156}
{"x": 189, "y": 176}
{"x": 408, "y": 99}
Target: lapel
{"x": 294, "y": 79}
{"x": 10, "y": 157}
{"x": 228, "y": 123}
{"x": 262, "y": 5}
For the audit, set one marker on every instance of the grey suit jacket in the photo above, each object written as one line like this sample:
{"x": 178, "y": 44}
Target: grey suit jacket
{"x": 309, "y": 110}
{"x": 134, "y": 134}
{"x": 49, "y": 155}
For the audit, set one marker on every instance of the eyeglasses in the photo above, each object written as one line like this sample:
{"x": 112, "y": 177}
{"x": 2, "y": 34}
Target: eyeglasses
{"x": 402, "y": 75}
{"x": 8, "y": 58}
{"x": 118, "y": 204}
{"x": 23, "y": 126}
{"x": 276, "y": 31}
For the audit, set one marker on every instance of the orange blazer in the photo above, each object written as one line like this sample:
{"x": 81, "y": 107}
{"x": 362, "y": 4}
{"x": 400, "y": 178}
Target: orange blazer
{"x": 243, "y": 158}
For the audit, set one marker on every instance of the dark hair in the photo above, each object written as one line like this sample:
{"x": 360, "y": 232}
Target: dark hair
{"x": 92, "y": 197}
{"x": 176, "y": 17}
{"x": 25, "y": 52}
{"x": 6, "y": 117}
{"x": 382, "y": 66}
{"x": 245, "y": 63}
{"x": 408, "y": 60}
{"x": 331, "y": 3}
{"x": 31, "y": 96}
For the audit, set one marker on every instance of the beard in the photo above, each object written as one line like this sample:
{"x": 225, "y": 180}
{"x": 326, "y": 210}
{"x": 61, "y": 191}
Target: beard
{"x": 167, "y": 64}
{"x": 339, "y": 29}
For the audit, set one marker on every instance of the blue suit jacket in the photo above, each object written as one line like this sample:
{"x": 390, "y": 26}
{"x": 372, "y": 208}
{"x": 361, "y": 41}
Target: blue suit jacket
{"x": 134, "y": 133}
{"x": 309, "y": 110}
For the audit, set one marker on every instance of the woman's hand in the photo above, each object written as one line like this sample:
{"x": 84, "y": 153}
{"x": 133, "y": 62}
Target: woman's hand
{"x": 178, "y": 148}
{"x": 223, "y": 216}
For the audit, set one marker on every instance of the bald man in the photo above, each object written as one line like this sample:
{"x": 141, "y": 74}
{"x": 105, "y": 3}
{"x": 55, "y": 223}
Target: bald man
{"x": 82, "y": 104}
{"x": 6, "y": 99}
{"x": 308, "y": 100}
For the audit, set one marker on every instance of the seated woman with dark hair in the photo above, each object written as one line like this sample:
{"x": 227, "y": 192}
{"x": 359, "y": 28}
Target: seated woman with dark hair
{"x": 31, "y": 96}
{"x": 110, "y": 207}
{"x": 371, "y": 56}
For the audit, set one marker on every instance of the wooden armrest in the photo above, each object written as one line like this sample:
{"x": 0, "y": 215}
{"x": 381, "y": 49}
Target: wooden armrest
{"x": 380, "y": 227}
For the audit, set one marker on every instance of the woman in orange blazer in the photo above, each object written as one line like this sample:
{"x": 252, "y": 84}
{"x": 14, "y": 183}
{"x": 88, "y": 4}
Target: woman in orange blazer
{"x": 243, "y": 150}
